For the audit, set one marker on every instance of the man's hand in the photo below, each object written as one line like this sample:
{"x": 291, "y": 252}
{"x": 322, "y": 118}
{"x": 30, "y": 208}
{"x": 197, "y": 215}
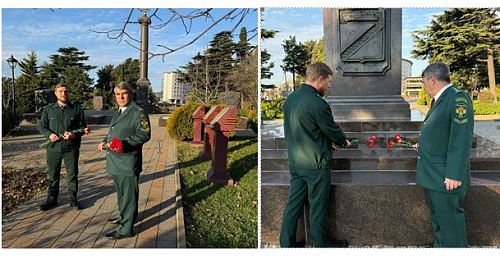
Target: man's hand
{"x": 415, "y": 147}
{"x": 68, "y": 135}
{"x": 53, "y": 137}
{"x": 452, "y": 184}
{"x": 101, "y": 146}
{"x": 349, "y": 143}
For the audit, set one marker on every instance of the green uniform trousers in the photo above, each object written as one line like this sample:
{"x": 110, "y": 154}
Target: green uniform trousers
{"x": 315, "y": 186}
{"x": 54, "y": 160}
{"x": 127, "y": 191}
{"x": 447, "y": 218}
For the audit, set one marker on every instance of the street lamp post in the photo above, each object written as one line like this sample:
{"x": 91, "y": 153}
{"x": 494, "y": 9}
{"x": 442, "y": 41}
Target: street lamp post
{"x": 13, "y": 63}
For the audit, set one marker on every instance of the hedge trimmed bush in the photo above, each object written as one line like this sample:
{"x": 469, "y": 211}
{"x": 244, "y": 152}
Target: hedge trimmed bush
{"x": 486, "y": 108}
{"x": 180, "y": 122}
{"x": 272, "y": 109}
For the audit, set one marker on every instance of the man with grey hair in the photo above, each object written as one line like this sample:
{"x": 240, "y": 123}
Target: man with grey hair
{"x": 129, "y": 130}
{"x": 443, "y": 164}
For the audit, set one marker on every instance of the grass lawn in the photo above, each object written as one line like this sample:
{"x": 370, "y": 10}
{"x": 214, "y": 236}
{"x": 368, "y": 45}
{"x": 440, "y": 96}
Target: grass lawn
{"x": 220, "y": 216}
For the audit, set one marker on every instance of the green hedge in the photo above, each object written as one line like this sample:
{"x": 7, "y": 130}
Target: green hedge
{"x": 481, "y": 108}
{"x": 272, "y": 109}
{"x": 180, "y": 122}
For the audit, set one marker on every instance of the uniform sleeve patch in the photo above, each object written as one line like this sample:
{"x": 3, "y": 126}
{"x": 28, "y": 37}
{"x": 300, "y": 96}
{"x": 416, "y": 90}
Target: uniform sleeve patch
{"x": 144, "y": 124}
{"x": 460, "y": 115}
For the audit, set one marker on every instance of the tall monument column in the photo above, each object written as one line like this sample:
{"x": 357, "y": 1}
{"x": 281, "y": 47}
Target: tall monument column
{"x": 143, "y": 82}
{"x": 363, "y": 48}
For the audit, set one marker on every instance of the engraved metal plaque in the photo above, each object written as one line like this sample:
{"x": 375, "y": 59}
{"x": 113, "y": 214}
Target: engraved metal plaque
{"x": 364, "y": 41}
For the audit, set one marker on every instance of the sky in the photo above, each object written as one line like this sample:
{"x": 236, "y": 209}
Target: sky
{"x": 307, "y": 24}
{"x": 45, "y": 30}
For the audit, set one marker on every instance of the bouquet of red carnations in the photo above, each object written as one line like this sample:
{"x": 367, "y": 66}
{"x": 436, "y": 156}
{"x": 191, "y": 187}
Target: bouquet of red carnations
{"x": 116, "y": 145}
{"x": 85, "y": 130}
{"x": 398, "y": 142}
{"x": 369, "y": 140}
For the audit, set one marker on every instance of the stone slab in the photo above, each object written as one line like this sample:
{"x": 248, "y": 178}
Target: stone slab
{"x": 368, "y": 215}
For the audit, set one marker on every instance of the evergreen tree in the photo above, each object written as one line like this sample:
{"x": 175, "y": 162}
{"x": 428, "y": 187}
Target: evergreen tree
{"x": 208, "y": 73}
{"x": 104, "y": 85}
{"x": 27, "y": 83}
{"x": 297, "y": 57}
{"x": 69, "y": 67}
{"x": 265, "y": 56}
{"x": 466, "y": 39}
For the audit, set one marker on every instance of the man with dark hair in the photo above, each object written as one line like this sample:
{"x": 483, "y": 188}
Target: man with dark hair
{"x": 130, "y": 128}
{"x": 58, "y": 123}
{"x": 310, "y": 132}
{"x": 443, "y": 164}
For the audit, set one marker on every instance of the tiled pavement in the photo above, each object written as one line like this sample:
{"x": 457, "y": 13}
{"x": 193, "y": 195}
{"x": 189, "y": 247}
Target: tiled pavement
{"x": 160, "y": 222}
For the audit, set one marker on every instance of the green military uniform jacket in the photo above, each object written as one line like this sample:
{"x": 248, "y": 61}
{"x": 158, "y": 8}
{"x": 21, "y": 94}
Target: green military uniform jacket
{"x": 310, "y": 129}
{"x": 133, "y": 129}
{"x": 56, "y": 120}
{"x": 445, "y": 141}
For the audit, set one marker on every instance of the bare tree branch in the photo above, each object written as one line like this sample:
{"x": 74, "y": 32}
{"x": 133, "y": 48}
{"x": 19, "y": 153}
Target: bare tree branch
{"x": 187, "y": 20}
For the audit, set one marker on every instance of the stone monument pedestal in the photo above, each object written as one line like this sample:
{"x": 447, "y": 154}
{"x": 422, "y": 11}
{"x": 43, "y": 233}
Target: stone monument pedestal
{"x": 209, "y": 138}
{"x": 363, "y": 49}
{"x": 222, "y": 125}
{"x": 374, "y": 199}
{"x": 369, "y": 109}
{"x": 198, "y": 127}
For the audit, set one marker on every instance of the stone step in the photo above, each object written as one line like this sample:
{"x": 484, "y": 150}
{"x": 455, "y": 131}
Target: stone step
{"x": 377, "y": 163}
{"x": 377, "y": 177}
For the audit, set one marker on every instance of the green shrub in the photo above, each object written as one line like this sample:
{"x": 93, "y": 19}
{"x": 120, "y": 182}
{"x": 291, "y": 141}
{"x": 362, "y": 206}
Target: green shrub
{"x": 180, "y": 122}
{"x": 423, "y": 98}
{"x": 7, "y": 121}
{"x": 272, "y": 109}
{"x": 486, "y": 108}
{"x": 485, "y": 97}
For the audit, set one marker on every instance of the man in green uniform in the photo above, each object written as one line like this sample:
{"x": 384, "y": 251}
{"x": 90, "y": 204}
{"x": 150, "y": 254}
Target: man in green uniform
{"x": 310, "y": 132}
{"x": 58, "y": 123}
{"x": 131, "y": 126}
{"x": 443, "y": 164}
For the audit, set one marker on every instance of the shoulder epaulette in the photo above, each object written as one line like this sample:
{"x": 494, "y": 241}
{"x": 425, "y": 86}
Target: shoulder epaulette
{"x": 456, "y": 90}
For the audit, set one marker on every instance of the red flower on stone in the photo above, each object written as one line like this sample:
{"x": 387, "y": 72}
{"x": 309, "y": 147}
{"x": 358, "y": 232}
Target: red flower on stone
{"x": 116, "y": 145}
{"x": 369, "y": 140}
{"x": 399, "y": 142}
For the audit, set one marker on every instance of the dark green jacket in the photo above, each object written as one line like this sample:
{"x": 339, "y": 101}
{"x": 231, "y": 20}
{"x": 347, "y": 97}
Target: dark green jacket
{"x": 445, "y": 141}
{"x": 310, "y": 129}
{"x": 133, "y": 129}
{"x": 56, "y": 120}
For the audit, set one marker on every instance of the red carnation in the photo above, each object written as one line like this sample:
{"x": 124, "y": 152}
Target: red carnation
{"x": 399, "y": 142}
{"x": 116, "y": 145}
{"x": 369, "y": 140}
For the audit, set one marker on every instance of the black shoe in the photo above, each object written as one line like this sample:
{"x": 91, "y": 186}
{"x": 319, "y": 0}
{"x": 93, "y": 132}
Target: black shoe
{"x": 47, "y": 205}
{"x": 340, "y": 243}
{"x": 115, "y": 236}
{"x": 299, "y": 244}
{"x": 75, "y": 205}
{"x": 113, "y": 221}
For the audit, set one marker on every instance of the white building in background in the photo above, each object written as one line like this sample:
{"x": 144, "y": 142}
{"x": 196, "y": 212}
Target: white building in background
{"x": 174, "y": 92}
{"x": 405, "y": 71}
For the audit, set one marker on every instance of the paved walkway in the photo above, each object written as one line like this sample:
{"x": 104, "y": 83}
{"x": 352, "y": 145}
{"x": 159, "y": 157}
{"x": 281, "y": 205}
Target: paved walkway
{"x": 160, "y": 222}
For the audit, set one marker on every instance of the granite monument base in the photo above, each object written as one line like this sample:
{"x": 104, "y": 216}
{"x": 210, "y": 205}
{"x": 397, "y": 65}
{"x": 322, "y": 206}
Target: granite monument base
{"x": 388, "y": 215}
{"x": 381, "y": 109}
{"x": 374, "y": 199}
